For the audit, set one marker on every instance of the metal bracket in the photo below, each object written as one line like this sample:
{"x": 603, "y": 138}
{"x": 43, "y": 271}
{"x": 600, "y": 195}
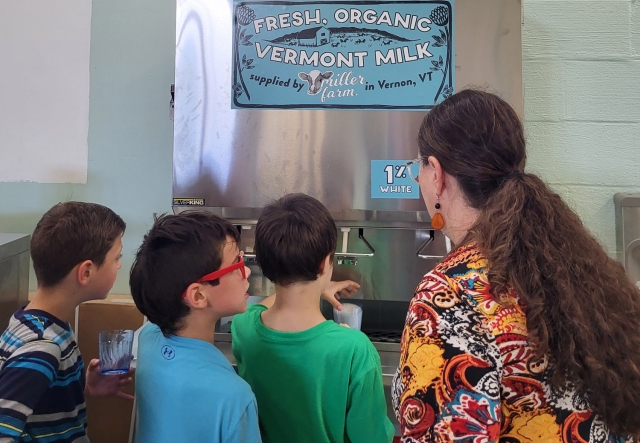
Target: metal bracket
{"x": 345, "y": 242}
{"x": 249, "y": 258}
{"x": 172, "y": 102}
{"x": 347, "y": 260}
{"x": 432, "y": 236}
{"x": 249, "y": 255}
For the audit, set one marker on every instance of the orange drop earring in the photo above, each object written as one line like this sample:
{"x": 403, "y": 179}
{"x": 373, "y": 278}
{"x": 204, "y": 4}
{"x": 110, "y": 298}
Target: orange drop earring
{"x": 437, "y": 222}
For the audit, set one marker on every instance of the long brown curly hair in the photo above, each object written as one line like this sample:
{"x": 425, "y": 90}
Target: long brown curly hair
{"x": 582, "y": 309}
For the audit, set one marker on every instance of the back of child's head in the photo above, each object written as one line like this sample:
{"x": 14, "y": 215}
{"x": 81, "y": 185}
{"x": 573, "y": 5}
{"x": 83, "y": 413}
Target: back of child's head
{"x": 69, "y": 234}
{"x": 177, "y": 251}
{"x": 293, "y": 236}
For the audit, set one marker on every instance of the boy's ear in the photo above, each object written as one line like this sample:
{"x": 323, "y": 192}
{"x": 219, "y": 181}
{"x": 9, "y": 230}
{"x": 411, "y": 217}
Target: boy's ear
{"x": 195, "y": 297}
{"x": 84, "y": 270}
{"x": 326, "y": 265}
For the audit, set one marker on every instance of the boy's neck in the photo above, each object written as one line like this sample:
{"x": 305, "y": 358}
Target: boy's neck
{"x": 198, "y": 326}
{"x": 296, "y": 307}
{"x": 59, "y": 301}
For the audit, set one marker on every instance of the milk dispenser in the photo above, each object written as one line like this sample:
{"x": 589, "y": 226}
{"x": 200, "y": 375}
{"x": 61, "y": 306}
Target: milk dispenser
{"x": 326, "y": 98}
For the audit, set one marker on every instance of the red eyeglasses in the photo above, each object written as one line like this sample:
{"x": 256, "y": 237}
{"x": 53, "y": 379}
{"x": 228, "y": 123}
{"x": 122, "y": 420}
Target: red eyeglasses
{"x": 220, "y": 272}
{"x": 224, "y": 271}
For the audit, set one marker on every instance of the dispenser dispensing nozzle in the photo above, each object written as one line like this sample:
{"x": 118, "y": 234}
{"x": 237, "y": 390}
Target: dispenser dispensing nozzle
{"x": 351, "y": 258}
{"x": 347, "y": 261}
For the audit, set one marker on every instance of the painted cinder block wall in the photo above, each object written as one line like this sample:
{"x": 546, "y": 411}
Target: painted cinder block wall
{"x": 582, "y": 114}
{"x": 582, "y": 103}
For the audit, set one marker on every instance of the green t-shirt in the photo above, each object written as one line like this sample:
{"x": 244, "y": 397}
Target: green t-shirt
{"x": 322, "y": 385}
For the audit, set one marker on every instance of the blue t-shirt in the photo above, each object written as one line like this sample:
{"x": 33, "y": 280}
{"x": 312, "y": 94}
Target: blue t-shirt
{"x": 187, "y": 391}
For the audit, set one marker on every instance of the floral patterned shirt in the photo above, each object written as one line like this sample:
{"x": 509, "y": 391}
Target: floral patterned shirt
{"x": 468, "y": 373}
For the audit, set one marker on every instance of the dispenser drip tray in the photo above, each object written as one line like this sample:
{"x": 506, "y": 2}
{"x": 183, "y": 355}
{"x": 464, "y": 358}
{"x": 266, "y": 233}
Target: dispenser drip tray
{"x": 384, "y": 336}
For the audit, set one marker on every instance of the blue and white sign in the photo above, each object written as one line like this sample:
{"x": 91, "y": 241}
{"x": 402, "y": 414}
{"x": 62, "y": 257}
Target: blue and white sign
{"x": 342, "y": 55}
{"x": 391, "y": 179}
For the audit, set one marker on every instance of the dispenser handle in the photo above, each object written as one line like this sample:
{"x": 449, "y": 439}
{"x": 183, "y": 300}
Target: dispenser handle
{"x": 630, "y": 247}
{"x": 432, "y": 235}
{"x": 345, "y": 240}
{"x": 627, "y": 259}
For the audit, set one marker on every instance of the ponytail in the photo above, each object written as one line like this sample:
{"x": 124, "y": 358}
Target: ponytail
{"x": 582, "y": 309}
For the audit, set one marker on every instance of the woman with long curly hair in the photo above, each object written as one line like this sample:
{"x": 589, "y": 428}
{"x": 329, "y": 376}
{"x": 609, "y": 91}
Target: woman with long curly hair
{"x": 528, "y": 331}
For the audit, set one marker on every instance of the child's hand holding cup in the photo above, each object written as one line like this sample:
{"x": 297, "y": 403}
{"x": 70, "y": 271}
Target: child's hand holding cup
{"x": 115, "y": 351}
{"x": 107, "y": 376}
{"x": 350, "y": 315}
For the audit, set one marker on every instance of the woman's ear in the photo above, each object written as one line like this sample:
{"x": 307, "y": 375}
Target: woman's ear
{"x": 438, "y": 174}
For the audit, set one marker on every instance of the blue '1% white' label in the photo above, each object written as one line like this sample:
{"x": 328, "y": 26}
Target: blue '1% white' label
{"x": 392, "y": 179}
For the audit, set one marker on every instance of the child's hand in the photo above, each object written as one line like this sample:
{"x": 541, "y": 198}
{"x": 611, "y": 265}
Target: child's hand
{"x": 339, "y": 288}
{"x": 99, "y": 385}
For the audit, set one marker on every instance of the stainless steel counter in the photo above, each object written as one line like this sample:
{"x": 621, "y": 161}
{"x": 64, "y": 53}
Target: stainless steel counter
{"x": 222, "y": 341}
{"x": 389, "y": 359}
{"x": 14, "y": 274}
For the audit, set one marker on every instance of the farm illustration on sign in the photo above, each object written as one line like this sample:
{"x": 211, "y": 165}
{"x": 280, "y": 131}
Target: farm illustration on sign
{"x": 356, "y": 61}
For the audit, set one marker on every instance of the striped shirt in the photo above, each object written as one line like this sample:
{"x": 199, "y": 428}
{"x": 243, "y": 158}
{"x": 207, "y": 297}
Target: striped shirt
{"x": 41, "y": 381}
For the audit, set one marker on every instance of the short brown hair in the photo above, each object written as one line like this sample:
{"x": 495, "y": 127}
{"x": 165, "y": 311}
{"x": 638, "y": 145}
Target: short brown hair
{"x": 70, "y": 233}
{"x": 293, "y": 236}
{"x": 177, "y": 251}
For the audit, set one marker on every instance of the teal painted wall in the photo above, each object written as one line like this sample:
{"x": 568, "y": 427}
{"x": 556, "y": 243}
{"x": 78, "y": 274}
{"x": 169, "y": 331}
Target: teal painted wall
{"x": 130, "y": 134}
{"x": 582, "y": 103}
{"x": 582, "y": 114}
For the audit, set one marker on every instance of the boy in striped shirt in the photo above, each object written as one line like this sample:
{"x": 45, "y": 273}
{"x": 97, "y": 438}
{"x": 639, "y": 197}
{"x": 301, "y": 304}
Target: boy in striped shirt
{"x": 75, "y": 249}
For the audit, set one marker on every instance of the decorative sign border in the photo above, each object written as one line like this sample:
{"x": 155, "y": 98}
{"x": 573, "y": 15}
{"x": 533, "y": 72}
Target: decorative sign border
{"x": 342, "y": 54}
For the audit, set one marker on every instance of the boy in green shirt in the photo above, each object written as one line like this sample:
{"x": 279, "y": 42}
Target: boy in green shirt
{"x": 315, "y": 381}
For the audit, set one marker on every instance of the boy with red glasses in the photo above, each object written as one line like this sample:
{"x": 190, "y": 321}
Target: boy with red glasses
{"x": 189, "y": 273}
{"x": 315, "y": 381}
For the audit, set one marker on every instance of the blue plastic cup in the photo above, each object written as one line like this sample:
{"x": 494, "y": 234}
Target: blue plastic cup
{"x": 115, "y": 351}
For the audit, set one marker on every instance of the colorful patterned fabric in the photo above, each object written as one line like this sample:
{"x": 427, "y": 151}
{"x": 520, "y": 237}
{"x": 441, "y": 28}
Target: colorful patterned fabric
{"x": 468, "y": 373}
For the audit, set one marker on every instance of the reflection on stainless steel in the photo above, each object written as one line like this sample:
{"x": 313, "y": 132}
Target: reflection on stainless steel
{"x": 345, "y": 242}
{"x": 427, "y": 243}
{"x": 353, "y": 218}
{"x": 240, "y": 160}
{"x": 222, "y": 341}
{"x": 14, "y": 275}
{"x": 389, "y": 360}
{"x": 246, "y": 158}
{"x": 391, "y": 274}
